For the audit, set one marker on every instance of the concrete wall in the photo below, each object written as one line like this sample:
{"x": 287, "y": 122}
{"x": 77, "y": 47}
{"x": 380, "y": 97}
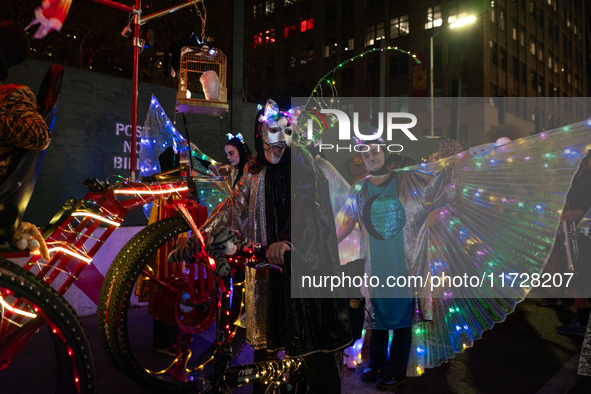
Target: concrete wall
{"x": 91, "y": 136}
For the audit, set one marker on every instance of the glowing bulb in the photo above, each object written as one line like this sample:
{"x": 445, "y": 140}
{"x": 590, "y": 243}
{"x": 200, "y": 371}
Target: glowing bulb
{"x": 188, "y": 94}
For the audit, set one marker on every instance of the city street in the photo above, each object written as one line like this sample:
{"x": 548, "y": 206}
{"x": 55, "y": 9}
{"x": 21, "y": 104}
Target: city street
{"x": 522, "y": 355}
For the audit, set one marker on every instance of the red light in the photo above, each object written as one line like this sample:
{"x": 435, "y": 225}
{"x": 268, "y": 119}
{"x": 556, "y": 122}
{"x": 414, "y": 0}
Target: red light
{"x": 303, "y": 26}
{"x": 310, "y": 23}
{"x": 286, "y": 32}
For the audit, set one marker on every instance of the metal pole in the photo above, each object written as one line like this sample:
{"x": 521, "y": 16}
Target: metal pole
{"x": 431, "y": 85}
{"x": 237, "y": 66}
{"x": 137, "y": 43}
{"x": 167, "y": 11}
{"x": 382, "y": 76}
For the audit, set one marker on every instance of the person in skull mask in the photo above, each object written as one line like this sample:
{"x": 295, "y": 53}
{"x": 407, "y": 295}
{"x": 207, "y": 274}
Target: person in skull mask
{"x": 308, "y": 328}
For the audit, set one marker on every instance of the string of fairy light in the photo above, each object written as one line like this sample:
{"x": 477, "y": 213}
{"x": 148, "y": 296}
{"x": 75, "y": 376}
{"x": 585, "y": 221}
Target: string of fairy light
{"x": 329, "y": 78}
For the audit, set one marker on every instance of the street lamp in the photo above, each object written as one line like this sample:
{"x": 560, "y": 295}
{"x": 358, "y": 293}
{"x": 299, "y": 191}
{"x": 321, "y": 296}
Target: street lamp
{"x": 460, "y": 22}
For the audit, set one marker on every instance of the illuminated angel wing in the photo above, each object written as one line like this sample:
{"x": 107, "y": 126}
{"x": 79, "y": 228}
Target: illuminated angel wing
{"x": 504, "y": 222}
{"x": 158, "y": 134}
{"x": 339, "y": 190}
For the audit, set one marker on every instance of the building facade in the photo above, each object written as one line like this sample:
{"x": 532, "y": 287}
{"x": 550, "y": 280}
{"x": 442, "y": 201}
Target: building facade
{"x": 519, "y": 49}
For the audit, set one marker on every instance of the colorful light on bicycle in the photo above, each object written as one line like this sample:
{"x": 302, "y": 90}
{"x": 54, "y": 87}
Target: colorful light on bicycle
{"x": 15, "y": 310}
{"x": 69, "y": 252}
{"x": 98, "y": 217}
{"x": 152, "y": 192}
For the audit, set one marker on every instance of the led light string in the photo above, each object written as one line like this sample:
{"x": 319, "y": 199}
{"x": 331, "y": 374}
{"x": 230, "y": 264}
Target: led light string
{"x": 318, "y": 95}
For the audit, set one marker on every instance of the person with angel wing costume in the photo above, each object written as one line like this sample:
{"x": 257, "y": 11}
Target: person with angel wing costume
{"x": 498, "y": 216}
{"x": 160, "y": 134}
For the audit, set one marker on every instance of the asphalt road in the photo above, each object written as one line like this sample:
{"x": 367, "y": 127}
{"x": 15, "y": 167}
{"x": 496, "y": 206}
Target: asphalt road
{"x": 522, "y": 355}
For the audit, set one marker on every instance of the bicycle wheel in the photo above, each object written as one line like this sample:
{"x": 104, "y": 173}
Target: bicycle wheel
{"x": 125, "y": 329}
{"x": 33, "y": 311}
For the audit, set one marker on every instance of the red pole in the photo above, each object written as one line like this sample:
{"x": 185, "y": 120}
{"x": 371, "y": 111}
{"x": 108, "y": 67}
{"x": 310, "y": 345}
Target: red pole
{"x": 136, "y": 60}
{"x": 115, "y": 5}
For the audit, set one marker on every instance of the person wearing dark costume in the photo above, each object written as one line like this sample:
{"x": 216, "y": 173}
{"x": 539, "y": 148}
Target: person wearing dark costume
{"x": 308, "y": 328}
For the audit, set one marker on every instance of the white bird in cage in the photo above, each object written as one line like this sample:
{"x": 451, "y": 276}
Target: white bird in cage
{"x": 211, "y": 85}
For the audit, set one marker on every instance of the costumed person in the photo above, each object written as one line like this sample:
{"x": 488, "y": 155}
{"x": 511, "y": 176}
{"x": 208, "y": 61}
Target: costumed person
{"x": 407, "y": 161}
{"x": 238, "y": 154}
{"x": 498, "y": 217}
{"x": 403, "y": 197}
{"x": 578, "y": 203}
{"x": 308, "y": 328}
{"x": 393, "y": 161}
{"x": 21, "y": 128}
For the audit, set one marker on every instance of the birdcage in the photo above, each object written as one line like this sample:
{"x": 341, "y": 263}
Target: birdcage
{"x": 195, "y": 63}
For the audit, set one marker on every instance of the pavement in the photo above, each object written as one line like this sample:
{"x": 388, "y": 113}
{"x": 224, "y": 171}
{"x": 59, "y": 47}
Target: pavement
{"x": 522, "y": 355}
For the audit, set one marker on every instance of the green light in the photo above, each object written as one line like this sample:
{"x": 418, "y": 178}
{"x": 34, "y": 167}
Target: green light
{"x": 465, "y": 190}
{"x": 520, "y": 204}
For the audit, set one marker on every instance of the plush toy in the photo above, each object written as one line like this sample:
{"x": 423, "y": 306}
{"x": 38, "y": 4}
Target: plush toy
{"x": 220, "y": 243}
{"x": 28, "y": 237}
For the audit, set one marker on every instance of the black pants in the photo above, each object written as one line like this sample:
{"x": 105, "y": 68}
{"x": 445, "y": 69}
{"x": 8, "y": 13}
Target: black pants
{"x": 322, "y": 373}
{"x": 395, "y": 365}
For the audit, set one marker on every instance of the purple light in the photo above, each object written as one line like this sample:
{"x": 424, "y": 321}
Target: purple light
{"x": 543, "y": 136}
{"x": 527, "y": 158}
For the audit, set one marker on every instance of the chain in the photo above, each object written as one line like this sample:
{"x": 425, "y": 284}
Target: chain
{"x": 203, "y": 19}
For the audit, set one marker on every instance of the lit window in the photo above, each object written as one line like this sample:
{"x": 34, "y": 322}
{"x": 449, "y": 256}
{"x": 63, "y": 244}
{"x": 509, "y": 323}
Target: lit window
{"x": 399, "y": 26}
{"x": 347, "y": 42}
{"x": 289, "y": 30}
{"x": 374, "y": 33}
{"x": 330, "y": 47}
{"x": 306, "y": 24}
{"x": 269, "y": 7}
{"x": 268, "y": 37}
{"x": 433, "y": 17}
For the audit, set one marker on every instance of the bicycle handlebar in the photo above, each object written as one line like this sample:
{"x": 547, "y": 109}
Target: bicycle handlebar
{"x": 255, "y": 258}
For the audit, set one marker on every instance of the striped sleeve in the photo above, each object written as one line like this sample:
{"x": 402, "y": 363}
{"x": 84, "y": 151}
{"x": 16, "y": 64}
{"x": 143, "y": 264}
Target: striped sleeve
{"x": 21, "y": 126}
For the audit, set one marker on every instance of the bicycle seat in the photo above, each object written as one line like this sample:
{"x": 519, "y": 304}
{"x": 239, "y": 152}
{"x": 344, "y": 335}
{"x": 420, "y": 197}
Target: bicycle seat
{"x": 16, "y": 189}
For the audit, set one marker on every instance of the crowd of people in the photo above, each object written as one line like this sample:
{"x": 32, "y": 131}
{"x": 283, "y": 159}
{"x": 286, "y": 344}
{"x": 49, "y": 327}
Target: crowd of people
{"x": 283, "y": 181}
